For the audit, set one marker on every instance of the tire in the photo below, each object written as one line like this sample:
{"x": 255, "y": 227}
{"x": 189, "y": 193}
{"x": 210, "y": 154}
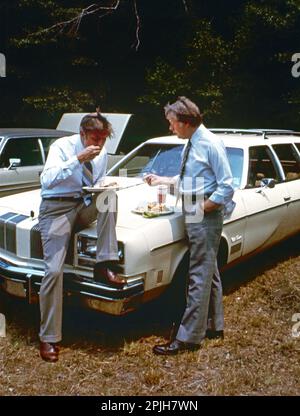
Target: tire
{"x": 222, "y": 256}
{"x": 173, "y": 301}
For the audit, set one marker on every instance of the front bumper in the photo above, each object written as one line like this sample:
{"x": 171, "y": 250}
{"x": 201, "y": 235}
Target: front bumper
{"x": 25, "y": 282}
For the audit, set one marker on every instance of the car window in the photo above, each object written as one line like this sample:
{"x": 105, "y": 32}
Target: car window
{"x": 261, "y": 165}
{"x": 27, "y": 149}
{"x": 289, "y": 160}
{"x": 46, "y": 142}
{"x": 298, "y": 146}
{"x": 236, "y": 160}
{"x": 163, "y": 160}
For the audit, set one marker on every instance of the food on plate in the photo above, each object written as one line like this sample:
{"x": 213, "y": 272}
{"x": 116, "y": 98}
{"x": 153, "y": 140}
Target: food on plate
{"x": 152, "y": 209}
{"x": 149, "y": 214}
{"x": 110, "y": 184}
{"x": 107, "y": 185}
{"x": 155, "y": 207}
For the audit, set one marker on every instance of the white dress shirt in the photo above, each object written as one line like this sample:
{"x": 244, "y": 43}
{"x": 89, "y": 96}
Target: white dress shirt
{"x": 62, "y": 174}
{"x": 207, "y": 169}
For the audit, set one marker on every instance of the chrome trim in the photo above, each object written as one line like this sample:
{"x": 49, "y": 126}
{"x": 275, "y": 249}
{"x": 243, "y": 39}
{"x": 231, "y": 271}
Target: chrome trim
{"x": 107, "y": 288}
{"x": 74, "y": 283}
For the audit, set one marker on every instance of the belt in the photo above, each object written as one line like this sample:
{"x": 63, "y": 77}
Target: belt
{"x": 196, "y": 197}
{"x": 64, "y": 198}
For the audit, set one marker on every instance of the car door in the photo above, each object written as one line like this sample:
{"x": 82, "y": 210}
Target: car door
{"x": 26, "y": 175}
{"x": 290, "y": 162}
{"x": 266, "y": 208}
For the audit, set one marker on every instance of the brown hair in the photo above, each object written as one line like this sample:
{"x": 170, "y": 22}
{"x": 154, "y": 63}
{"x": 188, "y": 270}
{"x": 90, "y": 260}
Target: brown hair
{"x": 185, "y": 111}
{"x": 90, "y": 122}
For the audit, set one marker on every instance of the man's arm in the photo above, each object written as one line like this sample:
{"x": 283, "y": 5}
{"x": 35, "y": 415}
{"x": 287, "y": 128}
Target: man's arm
{"x": 57, "y": 167}
{"x": 221, "y": 168}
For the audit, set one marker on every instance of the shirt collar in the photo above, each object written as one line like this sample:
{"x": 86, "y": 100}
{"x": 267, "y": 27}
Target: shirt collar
{"x": 197, "y": 134}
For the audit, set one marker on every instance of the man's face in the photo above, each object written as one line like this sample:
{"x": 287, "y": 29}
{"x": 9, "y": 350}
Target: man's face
{"x": 94, "y": 137}
{"x": 177, "y": 127}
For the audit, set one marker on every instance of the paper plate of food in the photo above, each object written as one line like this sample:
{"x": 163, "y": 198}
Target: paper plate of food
{"x": 153, "y": 209}
{"x": 102, "y": 187}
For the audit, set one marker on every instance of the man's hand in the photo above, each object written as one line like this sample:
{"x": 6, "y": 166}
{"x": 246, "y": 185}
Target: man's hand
{"x": 89, "y": 153}
{"x": 154, "y": 180}
{"x": 209, "y": 206}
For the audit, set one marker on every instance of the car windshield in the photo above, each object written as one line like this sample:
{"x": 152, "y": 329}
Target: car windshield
{"x": 161, "y": 159}
{"x": 165, "y": 160}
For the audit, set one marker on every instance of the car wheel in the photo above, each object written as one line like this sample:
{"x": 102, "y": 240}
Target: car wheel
{"x": 172, "y": 303}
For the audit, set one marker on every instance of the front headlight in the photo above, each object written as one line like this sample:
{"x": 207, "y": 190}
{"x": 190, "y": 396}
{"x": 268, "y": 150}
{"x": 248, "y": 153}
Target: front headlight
{"x": 86, "y": 246}
{"x": 87, "y": 249}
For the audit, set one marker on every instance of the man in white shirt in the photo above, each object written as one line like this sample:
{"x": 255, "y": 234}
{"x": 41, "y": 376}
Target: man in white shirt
{"x": 205, "y": 182}
{"x": 73, "y": 161}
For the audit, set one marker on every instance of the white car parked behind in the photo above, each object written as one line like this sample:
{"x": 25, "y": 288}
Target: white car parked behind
{"x": 153, "y": 250}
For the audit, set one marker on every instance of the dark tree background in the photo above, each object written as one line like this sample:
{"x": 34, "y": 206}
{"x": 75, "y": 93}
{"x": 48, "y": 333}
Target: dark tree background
{"x": 232, "y": 57}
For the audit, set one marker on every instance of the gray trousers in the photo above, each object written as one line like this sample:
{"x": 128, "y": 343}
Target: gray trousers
{"x": 57, "y": 220}
{"x": 204, "y": 309}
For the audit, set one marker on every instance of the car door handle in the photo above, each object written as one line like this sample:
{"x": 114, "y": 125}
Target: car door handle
{"x": 287, "y": 198}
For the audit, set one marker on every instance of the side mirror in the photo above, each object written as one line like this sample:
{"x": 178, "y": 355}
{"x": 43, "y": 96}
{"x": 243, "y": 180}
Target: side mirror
{"x": 266, "y": 183}
{"x": 13, "y": 164}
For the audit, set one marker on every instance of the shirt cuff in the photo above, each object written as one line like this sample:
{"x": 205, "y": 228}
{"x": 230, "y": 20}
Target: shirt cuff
{"x": 217, "y": 199}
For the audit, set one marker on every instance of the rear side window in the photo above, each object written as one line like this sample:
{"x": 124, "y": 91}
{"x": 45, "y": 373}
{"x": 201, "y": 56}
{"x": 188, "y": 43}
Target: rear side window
{"x": 236, "y": 160}
{"x": 261, "y": 165}
{"x": 289, "y": 160}
{"x": 26, "y": 149}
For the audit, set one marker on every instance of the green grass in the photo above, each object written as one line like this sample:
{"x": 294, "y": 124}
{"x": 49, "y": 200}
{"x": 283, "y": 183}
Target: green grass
{"x": 103, "y": 355}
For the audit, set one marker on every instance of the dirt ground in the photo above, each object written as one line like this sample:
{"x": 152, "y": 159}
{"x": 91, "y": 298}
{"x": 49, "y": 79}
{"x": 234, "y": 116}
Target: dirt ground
{"x": 112, "y": 356}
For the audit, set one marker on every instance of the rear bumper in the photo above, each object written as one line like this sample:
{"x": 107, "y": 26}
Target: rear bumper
{"x": 25, "y": 282}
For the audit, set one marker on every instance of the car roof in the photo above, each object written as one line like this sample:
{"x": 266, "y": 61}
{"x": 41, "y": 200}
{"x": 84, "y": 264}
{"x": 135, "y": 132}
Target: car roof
{"x": 26, "y": 132}
{"x": 241, "y": 138}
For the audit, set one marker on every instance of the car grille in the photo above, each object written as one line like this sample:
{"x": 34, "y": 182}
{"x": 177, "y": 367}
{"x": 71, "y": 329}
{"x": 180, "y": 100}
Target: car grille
{"x": 36, "y": 249}
{"x": 8, "y": 241}
{"x": 8, "y": 223}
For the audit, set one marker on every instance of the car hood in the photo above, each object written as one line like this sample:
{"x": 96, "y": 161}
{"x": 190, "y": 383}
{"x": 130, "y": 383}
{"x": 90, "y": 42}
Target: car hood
{"x": 133, "y": 193}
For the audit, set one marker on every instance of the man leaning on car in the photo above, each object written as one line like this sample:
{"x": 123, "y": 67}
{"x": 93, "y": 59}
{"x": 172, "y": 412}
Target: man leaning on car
{"x": 73, "y": 162}
{"x": 204, "y": 174}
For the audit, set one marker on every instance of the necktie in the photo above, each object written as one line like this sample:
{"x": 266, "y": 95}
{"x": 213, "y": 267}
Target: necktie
{"x": 87, "y": 180}
{"x": 87, "y": 174}
{"x": 182, "y": 166}
{"x": 184, "y": 159}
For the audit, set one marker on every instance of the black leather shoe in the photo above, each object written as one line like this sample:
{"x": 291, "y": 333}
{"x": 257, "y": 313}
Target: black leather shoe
{"x": 174, "y": 347}
{"x": 210, "y": 334}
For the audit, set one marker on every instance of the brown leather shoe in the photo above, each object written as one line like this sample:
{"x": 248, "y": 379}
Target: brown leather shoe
{"x": 105, "y": 274}
{"x": 49, "y": 351}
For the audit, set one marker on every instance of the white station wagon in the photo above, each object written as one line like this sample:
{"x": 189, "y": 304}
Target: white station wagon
{"x": 153, "y": 251}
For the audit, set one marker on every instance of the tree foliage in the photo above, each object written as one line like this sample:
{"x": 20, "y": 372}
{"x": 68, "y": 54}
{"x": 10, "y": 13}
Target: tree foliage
{"x": 233, "y": 58}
